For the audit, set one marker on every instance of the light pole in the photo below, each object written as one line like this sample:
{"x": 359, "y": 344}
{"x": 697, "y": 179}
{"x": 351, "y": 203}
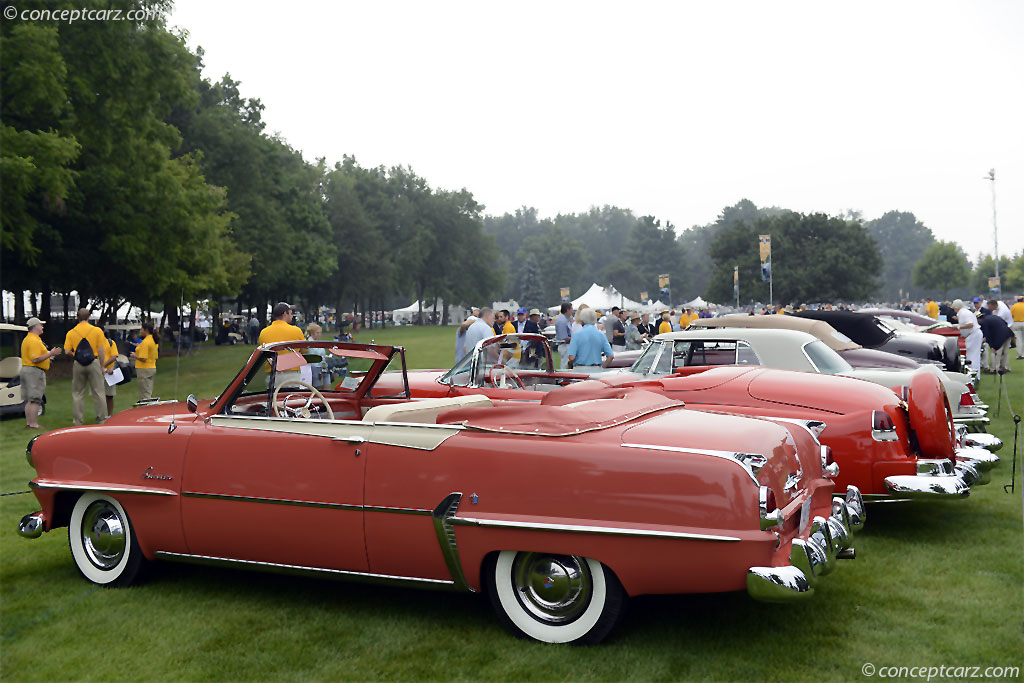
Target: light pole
{"x": 995, "y": 231}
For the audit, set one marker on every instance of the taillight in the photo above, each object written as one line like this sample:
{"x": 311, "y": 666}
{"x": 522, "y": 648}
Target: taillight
{"x": 965, "y": 399}
{"x": 770, "y": 514}
{"x": 882, "y": 427}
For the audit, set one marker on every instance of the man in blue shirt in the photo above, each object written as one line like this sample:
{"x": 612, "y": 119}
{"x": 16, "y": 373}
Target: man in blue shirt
{"x": 586, "y": 345}
{"x": 563, "y": 334}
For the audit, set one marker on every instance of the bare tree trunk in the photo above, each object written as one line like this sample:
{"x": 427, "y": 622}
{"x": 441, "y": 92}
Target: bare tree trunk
{"x": 44, "y": 311}
{"x": 66, "y": 296}
{"x": 19, "y": 307}
{"x": 35, "y": 306}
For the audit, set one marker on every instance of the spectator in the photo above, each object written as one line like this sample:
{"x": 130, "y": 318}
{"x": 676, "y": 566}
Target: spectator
{"x": 969, "y": 330}
{"x": 932, "y": 309}
{"x": 633, "y": 335}
{"x": 666, "y": 323}
{"x": 610, "y": 326}
{"x": 318, "y": 370}
{"x": 145, "y": 361}
{"x": 521, "y": 322}
{"x": 109, "y": 390}
{"x": 480, "y": 329}
{"x": 133, "y": 340}
{"x": 254, "y": 329}
{"x": 617, "y": 324}
{"x": 533, "y": 324}
{"x": 460, "y": 335}
{"x": 1017, "y": 314}
{"x": 587, "y": 345}
{"x": 502, "y": 325}
{"x": 645, "y": 327}
{"x": 687, "y": 317}
{"x": 279, "y": 330}
{"x": 35, "y": 363}
{"x": 85, "y": 341}
{"x": 563, "y": 334}
{"x": 997, "y": 334}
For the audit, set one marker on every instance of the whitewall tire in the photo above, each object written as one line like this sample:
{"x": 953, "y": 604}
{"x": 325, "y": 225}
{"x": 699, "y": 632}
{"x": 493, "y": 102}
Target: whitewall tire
{"x": 555, "y": 598}
{"x": 102, "y": 541}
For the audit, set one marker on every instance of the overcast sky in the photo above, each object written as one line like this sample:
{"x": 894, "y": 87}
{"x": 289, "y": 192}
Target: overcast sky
{"x": 675, "y": 109}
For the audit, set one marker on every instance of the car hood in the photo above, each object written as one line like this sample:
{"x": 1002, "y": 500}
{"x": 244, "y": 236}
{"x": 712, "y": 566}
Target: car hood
{"x": 161, "y": 411}
{"x": 837, "y": 394}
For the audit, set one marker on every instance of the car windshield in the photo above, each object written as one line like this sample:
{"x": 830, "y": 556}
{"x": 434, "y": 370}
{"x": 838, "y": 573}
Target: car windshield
{"x": 642, "y": 366}
{"x": 825, "y": 360}
{"x": 521, "y": 353}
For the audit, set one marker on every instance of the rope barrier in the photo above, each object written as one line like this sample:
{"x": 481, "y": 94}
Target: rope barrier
{"x": 15, "y": 493}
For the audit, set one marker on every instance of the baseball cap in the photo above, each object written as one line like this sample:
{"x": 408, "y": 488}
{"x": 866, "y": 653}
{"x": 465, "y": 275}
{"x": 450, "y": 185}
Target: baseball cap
{"x": 977, "y": 299}
{"x": 281, "y": 308}
{"x": 32, "y": 322}
{"x": 521, "y": 310}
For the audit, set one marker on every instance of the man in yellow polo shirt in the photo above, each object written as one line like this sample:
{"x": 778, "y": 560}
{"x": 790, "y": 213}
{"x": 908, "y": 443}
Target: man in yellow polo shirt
{"x": 35, "y": 361}
{"x": 1017, "y": 313}
{"x": 87, "y": 378}
{"x": 279, "y": 330}
{"x": 688, "y": 316}
{"x": 932, "y": 308}
{"x": 145, "y": 355}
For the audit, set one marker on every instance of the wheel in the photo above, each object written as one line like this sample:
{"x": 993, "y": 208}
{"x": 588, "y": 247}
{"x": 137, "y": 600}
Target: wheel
{"x": 555, "y": 598}
{"x": 102, "y": 541}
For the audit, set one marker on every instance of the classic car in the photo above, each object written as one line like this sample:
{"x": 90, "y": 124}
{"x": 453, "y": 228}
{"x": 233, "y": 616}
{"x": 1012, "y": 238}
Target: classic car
{"x": 557, "y": 509}
{"x": 11, "y": 400}
{"x": 920, "y": 323}
{"x": 869, "y": 364}
{"x": 886, "y": 446}
{"x": 874, "y": 333}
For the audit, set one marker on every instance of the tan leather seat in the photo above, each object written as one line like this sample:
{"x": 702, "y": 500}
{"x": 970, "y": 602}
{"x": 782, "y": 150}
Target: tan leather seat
{"x": 10, "y": 367}
{"x": 424, "y": 411}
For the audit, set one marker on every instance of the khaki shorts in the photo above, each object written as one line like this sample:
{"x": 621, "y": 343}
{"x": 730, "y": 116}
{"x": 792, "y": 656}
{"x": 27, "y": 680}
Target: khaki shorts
{"x": 33, "y": 383}
{"x": 109, "y": 389}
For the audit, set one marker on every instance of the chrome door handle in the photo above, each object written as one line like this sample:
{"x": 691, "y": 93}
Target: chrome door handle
{"x": 349, "y": 439}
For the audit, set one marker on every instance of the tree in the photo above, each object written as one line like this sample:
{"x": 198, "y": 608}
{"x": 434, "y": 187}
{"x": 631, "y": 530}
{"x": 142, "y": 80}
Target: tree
{"x": 902, "y": 240}
{"x": 530, "y": 285}
{"x": 943, "y": 267}
{"x": 985, "y": 269}
{"x": 814, "y": 258}
{"x": 562, "y": 260}
{"x": 652, "y": 250}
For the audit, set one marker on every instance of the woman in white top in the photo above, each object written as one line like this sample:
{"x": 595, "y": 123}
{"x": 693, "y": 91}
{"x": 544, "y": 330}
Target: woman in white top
{"x": 970, "y": 330}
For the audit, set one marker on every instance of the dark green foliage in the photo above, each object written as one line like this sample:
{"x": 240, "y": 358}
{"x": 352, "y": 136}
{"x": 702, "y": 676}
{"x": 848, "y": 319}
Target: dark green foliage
{"x": 943, "y": 267}
{"x": 814, "y": 258}
{"x": 530, "y": 283}
{"x": 902, "y": 241}
{"x": 652, "y": 250}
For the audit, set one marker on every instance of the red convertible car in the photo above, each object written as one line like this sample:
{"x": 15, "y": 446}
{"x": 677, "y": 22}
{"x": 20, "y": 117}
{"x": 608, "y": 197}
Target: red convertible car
{"x": 558, "y": 509}
{"x": 888, "y": 447}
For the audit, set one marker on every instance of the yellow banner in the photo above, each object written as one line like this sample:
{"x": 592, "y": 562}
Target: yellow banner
{"x": 663, "y": 281}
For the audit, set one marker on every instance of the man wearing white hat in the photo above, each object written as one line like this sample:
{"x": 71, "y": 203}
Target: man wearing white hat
{"x": 971, "y": 332}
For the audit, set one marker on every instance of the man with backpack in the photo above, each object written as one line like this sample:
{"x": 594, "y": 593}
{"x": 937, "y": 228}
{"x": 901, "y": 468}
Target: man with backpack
{"x": 88, "y": 347}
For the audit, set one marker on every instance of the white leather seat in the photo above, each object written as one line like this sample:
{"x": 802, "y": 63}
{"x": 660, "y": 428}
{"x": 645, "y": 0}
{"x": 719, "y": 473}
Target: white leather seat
{"x": 424, "y": 411}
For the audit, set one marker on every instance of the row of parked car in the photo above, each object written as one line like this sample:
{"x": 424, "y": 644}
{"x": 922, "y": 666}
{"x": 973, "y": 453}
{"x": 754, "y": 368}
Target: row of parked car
{"x": 726, "y": 458}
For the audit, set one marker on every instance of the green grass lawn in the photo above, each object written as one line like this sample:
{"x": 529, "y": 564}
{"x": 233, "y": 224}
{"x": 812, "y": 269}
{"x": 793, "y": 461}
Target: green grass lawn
{"x": 934, "y": 584}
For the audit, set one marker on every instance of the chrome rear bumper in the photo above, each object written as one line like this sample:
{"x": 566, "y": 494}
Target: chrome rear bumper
{"x": 934, "y": 479}
{"x": 829, "y": 540}
{"x": 989, "y": 442}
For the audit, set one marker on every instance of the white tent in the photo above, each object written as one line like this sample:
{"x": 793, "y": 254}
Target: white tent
{"x": 456, "y": 314}
{"x": 603, "y": 298}
{"x": 696, "y": 303}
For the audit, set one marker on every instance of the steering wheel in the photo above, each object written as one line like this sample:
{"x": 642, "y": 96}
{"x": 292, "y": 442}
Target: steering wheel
{"x": 303, "y": 410}
{"x": 504, "y": 377}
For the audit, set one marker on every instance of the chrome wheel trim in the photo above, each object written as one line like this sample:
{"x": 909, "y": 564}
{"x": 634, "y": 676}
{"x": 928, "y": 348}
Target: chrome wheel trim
{"x": 553, "y": 589}
{"x": 104, "y": 535}
{"x": 527, "y": 624}
{"x": 77, "y": 540}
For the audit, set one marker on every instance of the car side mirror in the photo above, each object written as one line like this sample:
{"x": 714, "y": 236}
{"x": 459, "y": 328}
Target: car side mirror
{"x": 192, "y": 403}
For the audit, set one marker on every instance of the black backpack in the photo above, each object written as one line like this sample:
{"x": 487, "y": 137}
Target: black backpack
{"x": 84, "y": 354}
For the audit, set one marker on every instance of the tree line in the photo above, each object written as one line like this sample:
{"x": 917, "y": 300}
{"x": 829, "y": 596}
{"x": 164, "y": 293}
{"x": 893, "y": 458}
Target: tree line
{"x": 127, "y": 176}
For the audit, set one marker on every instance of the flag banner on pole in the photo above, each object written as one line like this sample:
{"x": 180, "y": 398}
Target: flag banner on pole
{"x": 565, "y": 293}
{"x": 736, "y": 282}
{"x": 765, "y": 247}
{"x": 663, "y": 285}
{"x": 643, "y": 296}
{"x": 993, "y": 283}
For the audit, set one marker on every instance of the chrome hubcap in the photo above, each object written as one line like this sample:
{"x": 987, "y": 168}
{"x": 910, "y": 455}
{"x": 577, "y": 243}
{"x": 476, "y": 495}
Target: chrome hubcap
{"x": 103, "y": 535}
{"x": 554, "y": 589}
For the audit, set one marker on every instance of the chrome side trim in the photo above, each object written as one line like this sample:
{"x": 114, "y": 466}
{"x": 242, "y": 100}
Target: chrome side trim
{"x": 444, "y": 514}
{"x": 582, "y": 529}
{"x": 732, "y": 456}
{"x": 292, "y": 568}
{"x": 272, "y": 501}
{"x": 85, "y": 486}
{"x": 307, "y": 503}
